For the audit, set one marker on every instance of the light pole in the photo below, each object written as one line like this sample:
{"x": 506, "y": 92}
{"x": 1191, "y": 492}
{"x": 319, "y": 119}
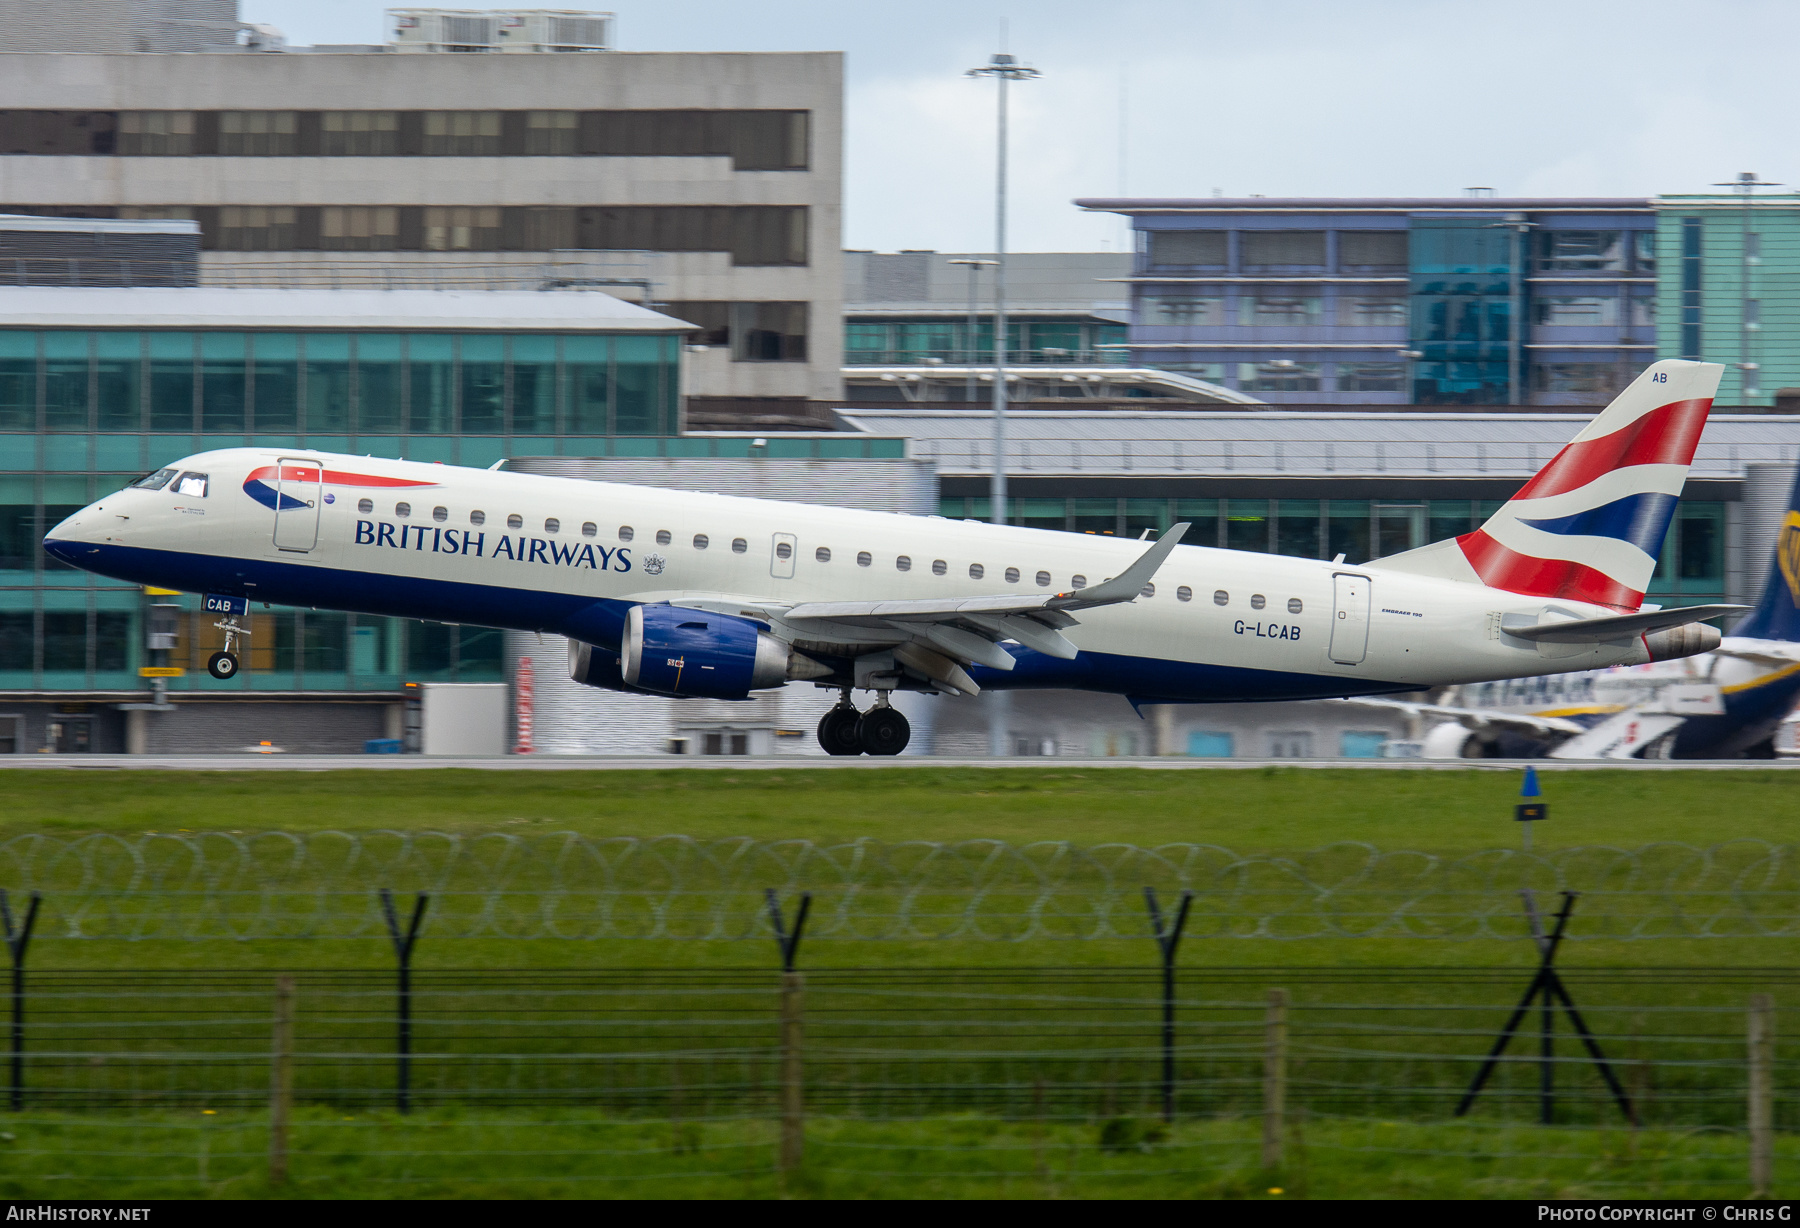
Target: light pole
{"x": 1004, "y": 69}
{"x": 1750, "y": 381}
{"x": 968, "y": 346}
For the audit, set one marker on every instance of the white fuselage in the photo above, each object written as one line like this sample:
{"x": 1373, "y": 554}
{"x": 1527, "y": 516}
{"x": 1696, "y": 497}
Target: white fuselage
{"x": 534, "y": 563}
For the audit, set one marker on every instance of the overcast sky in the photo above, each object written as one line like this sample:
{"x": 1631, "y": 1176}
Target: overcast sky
{"x": 1277, "y": 97}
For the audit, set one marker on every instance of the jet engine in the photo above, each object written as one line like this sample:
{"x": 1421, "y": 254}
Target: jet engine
{"x": 1687, "y": 640}
{"x": 673, "y": 650}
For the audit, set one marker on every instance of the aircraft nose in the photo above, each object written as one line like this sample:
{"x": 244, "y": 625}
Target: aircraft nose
{"x": 68, "y": 539}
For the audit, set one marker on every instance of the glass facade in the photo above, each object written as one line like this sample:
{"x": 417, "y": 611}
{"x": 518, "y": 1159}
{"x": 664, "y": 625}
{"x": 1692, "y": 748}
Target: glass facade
{"x": 1466, "y": 285}
{"x": 83, "y": 412}
{"x": 1691, "y": 566}
{"x": 943, "y": 339}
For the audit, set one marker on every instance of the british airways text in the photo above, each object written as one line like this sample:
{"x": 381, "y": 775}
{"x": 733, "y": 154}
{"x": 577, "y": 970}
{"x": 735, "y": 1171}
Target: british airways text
{"x": 434, "y": 540}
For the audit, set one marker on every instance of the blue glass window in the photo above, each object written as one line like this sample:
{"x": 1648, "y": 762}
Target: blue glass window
{"x": 172, "y": 382}
{"x": 378, "y": 384}
{"x": 534, "y": 385}
{"x": 327, "y": 384}
{"x": 118, "y": 380}
{"x": 66, "y": 366}
{"x": 222, "y": 379}
{"x": 483, "y": 384}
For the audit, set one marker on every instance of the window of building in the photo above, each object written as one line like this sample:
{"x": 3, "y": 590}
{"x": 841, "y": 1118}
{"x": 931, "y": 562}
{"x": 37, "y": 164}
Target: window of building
{"x": 359, "y": 134}
{"x": 1266, "y": 250}
{"x": 1188, "y": 248}
{"x": 1297, "y": 528}
{"x": 359, "y": 228}
{"x": 1593, "y": 378}
{"x": 1347, "y": 530}
{"x": 1372, "y": 251}
{"x": 1372, "y": 311}
{"x": 156, "y": 133}
{"x": 552, "y": 133}
{"x": 768, "y": 332}
{"x": 256, "y": 228}
{"x": 58, "y": 132}
{"x": 1691, "y": 271}
{"x": 1371, "y": 377}
{"x": 1279, "y": 310}
{"x": 1278, "y": 376}
{"x": 1363, "y": 743}
{"x": 461, "y": 134}
{"x": 1583, "y": 311}
{"x": 1641, "y": 311}
{"x": 1181, "y": 311}
{"x": 462, "y": 228}
{"x": 258, "y": 134}
{"x": 1581, "y": 251}
{"x": 1643, "y": 245}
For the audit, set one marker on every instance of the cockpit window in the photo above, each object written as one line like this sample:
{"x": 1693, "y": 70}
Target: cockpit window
{"x": 154, "y": 481}
{"x": 193, "y": 485}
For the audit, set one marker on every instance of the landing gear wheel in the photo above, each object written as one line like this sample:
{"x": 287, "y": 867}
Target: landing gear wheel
{"x": 837, "y": 731}
{"x": 222, "y": 665}
{"x": 883, "y": 731}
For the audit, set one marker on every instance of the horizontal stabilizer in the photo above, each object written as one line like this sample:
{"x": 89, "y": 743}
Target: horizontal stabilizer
{"x": 1619, "y": 626}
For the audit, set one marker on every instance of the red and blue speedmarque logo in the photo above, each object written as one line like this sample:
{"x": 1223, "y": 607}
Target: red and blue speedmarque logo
{"x": 260, "y": 484}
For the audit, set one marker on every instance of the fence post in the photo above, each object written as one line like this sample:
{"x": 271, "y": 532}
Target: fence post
{"x": 17, "y": 940}
{"x": 1275, "y": 1043}
{"x": 403, "y": 949}
{"x": 1168, "y": 938}
{"x": 793, "y": 1029}
{"x": 1762, "y": 1094}
{"x": 281, "y": 1079}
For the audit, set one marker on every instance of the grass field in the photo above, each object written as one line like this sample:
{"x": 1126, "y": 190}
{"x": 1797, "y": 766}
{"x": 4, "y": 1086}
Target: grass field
{"x": 498, "y": 1154}
{"x": 1251, "y": 811}
{"x": 1254, "y": 811}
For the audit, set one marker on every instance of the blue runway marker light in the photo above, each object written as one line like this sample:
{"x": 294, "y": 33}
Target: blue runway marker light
{"x": 1531, "y": 784}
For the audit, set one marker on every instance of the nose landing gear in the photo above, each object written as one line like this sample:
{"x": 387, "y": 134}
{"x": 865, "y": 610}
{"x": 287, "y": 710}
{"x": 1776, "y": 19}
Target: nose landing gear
{"x": 224, "y": 664}
{"x": 882, "y": 730}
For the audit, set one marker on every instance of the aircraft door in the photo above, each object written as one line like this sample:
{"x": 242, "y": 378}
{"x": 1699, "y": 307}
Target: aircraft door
{"x": 781, "y": 556}
{"x": 1349, "y": 619}
{"x": 298, "y": 483}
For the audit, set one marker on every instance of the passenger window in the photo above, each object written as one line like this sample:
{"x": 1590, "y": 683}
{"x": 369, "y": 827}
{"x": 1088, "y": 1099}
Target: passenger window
{"x": 515, "y": 521}
{"x": 1043, "y": 579}
{"x": 553, "y": 525}
{"x": 1258, "y": 601}
{"x": 589, "y": 529}
{"x": 625, "y": 533}
{"x": 440, "y": 514}
{"x": 403, "y": 510}
{"x": 477, "y": 517}
{"x": 902, "y": 563}
{"x": 1149, "y": 590}
{"x": 365, "y": 506}
{"x": 1077, "y": 581}
{"x": 1221, "y": 598}
{"x": 864, "y": 558}
{"x": 976, "y": 571}
{"x": 739, "y": 545}
{"x": 1184, "y": 593}
{"x": 154, "y": 481}
{"x": 1012, "y": 575}
{"x": 783, "y": 550}
{"x": 193, "y": 485}
{"x": 700, "y": 541}
{"x": 939, "y": 567}
{"x": 1294, "y": 606}
{"x": 664, "y": 537}
{"x": 823, "y": 554}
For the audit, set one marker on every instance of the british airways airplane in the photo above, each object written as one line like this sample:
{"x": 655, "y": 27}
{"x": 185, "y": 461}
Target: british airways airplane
{"x": 698, "y": 595}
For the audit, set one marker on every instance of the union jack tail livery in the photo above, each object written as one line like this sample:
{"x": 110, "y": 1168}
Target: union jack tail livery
{"x": 1589, "y": 526}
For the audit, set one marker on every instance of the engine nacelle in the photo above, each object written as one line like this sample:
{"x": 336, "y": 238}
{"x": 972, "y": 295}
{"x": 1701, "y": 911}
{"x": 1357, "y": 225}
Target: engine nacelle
{"x": 1688, "y": 640}
{"x": 596, "y": 667}
{"x": 673, "y": 650}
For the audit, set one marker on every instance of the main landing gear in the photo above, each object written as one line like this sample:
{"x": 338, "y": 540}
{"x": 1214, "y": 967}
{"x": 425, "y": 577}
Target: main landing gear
{"x": 224, "y": 664}
{"x": 882, "y": 730}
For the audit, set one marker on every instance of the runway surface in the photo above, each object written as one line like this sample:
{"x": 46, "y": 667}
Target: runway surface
{"x": 255, "y": 762}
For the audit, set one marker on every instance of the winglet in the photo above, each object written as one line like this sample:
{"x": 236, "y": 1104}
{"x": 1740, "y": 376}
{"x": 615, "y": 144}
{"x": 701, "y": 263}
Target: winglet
{"x": 1125, "y": 587}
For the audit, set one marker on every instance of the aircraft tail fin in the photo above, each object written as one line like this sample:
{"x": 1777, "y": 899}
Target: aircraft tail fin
{"x": 1777, "y": 615}
{"x": 1589, "y": 526}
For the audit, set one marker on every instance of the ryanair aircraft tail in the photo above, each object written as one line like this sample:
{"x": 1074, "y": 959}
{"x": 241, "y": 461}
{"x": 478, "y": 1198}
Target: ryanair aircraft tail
{"x": 1777, "y": 615}
{"x": 1589, "y": 526}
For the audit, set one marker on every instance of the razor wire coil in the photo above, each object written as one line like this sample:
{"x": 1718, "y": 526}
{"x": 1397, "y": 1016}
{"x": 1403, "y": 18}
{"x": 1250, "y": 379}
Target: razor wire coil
{"x": 564, "y": 885}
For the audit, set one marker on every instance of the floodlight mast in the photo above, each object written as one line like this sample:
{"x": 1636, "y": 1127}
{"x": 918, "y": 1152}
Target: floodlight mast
{"x": 1004, "y": 69}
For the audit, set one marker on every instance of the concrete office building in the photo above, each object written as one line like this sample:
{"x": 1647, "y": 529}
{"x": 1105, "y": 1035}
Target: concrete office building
{"x": 706, "y": 184}
{"x": 1459, "y": 301}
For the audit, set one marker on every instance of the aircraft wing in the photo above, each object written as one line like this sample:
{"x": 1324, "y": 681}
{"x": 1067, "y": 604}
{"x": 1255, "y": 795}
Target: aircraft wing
{"x": 1474, "y": 718}
{"x": 940, "y": 638}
